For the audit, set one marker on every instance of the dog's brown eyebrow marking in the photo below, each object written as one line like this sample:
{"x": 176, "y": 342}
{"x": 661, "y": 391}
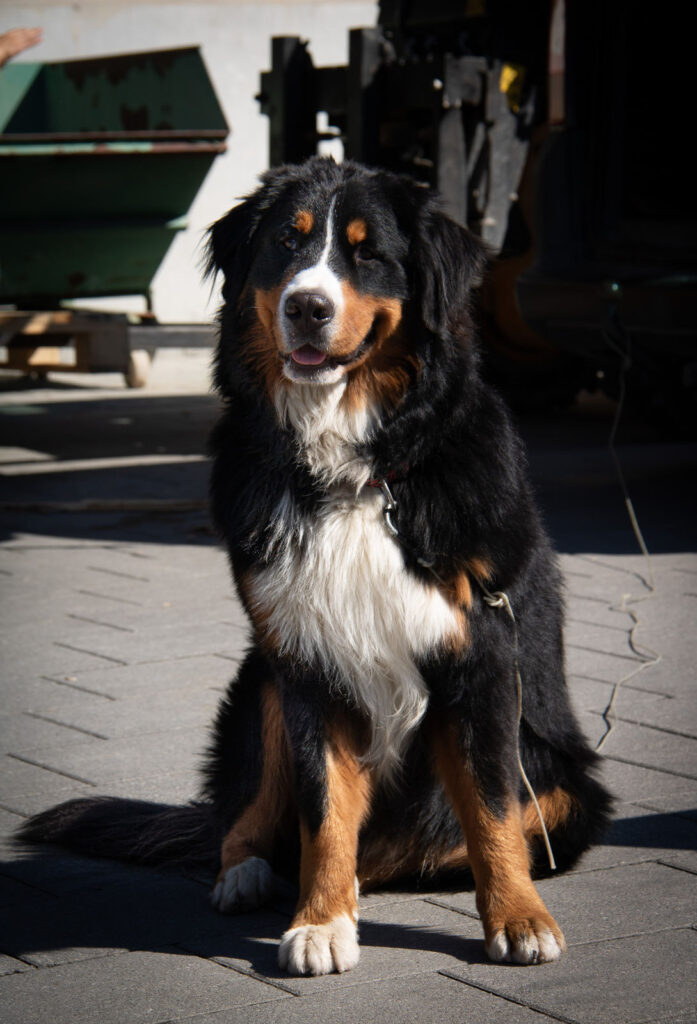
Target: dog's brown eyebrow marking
{"x": 304, "y": 222}
{"x": 357, "y": 231}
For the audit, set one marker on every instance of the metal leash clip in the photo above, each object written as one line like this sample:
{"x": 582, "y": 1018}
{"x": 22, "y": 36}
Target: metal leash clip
{"x": 389, "y": 508}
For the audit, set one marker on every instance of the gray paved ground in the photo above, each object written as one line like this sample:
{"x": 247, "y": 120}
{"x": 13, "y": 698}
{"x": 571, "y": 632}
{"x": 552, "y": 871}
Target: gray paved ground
{"x": 119, "y": 631}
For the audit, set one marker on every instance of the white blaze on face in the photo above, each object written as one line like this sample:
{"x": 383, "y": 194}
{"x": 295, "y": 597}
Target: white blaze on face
{"x": 319, "y": 278}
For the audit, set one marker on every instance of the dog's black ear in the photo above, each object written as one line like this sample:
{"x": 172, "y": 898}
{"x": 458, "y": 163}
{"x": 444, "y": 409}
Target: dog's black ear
{"x": 229, "y": 246}
{"x": 448, "y": 262}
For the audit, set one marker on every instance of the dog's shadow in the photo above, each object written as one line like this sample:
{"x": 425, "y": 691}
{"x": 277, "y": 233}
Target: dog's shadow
{"x": 58, "y": 908}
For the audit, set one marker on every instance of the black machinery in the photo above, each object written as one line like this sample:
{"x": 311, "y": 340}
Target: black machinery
{"x": 555, "y": 131}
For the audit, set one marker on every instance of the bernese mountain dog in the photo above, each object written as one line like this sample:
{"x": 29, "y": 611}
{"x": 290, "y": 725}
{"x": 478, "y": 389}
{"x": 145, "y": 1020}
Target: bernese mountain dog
{"x": 383, "y": 536}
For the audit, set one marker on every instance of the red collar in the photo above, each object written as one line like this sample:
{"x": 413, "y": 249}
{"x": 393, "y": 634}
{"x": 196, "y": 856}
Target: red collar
{"x": 389, "y": 478}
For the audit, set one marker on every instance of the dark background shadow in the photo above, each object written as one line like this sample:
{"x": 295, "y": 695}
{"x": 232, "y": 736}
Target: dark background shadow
{"x": 142, "y": 448}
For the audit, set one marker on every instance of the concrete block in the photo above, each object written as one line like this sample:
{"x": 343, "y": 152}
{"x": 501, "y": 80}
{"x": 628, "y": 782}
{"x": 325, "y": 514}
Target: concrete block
{"x": 425, "y": 998}
{"x": 638, "y": 834}
{"x": 27, "y": 788}
{"x": 8, "y": 965}
{"x": 594, "y": 905}
{"x": 188, "y": 675}
{"x": 128, "y": 757}
{"x": 138, "y": 987}
{"x": 617, "y": 981}
{"x": 404, "y": 939}
{"x": 23, "y": 732}
{"x": 653, "y": 748}
{"x": 110, "y": 909}
{"x": 657, "y": 790}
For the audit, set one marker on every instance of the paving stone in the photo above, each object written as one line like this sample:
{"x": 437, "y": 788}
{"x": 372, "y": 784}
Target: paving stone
{"x": 15, "y": 893}
{"x": 129, "y": 757}
{"x": 9, "y": 820}
{"x": 591, "y": 906}
{"x": 661, "y": 711}
{"x": 141, "y": 988}
{"x": 176, "y": 787}
{"x": 659, "y": 790}
{"x": 638, "y": 834}
{"x": 49, "y": 655}
{"x": 425, "y": 998}
{"x": 25, "y": 693}
{"x": 90, "y": 720}
{"x": 684, "y": 860}
{"x": 32, "y": 874}
{"x": 25, "y": 787}
{"x": 594, "y": 611}
{"x": 23, "y": 732}
{"x": 620, "y": 981}
{"x": 592, "y": 694}
{"x": 582, "y": 660}
{"x": 653, "y": 749}
{"x": 99, "y": 644}
{"x": 604, "y": 639}
{"x": 408, "y": 938}
{"x": 166, "y": 675}
{"x": 8, "y": 965}
{"x": 102, "y": 911}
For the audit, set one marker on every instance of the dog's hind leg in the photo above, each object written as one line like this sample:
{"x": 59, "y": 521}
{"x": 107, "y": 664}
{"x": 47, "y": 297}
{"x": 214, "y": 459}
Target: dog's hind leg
{"x": 246, "y": 880}
{"x": 517, "y": 925}
{"x": 323, "y": 935}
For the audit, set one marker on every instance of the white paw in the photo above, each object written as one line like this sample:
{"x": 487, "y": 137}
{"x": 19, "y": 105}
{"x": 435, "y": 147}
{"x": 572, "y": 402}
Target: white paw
{"x": 526, "y": 947}
{"x": 320, "y": 948}
{"x": 245, "y": 886}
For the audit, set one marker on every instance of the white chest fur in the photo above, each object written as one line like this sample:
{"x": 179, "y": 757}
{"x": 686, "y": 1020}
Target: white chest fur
{"x": 339, "y": 595}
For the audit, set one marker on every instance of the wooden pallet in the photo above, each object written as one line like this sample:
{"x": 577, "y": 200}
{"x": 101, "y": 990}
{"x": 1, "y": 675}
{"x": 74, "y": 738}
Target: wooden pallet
{"x": 67, "y": 341}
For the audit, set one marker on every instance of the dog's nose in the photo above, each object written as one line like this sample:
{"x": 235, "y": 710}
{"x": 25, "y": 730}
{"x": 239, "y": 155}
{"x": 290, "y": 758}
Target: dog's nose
{"x": 309, "y": 311}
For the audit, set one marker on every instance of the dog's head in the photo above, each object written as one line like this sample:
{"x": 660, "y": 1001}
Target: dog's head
{"x": 337, "y": 270}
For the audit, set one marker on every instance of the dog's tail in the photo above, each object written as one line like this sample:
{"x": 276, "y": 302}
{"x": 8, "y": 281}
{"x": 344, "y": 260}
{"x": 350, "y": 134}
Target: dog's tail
{"x": 129, "y": 830}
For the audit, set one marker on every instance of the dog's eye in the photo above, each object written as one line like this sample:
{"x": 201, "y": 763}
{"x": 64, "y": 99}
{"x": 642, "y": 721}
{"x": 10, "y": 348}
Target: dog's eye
{"x": 289, "y": 241}
{"x": 364, "y": 254}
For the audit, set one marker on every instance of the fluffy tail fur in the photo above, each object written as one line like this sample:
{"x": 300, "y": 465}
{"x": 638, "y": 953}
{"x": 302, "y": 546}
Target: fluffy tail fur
{"x": 129, "y": 830}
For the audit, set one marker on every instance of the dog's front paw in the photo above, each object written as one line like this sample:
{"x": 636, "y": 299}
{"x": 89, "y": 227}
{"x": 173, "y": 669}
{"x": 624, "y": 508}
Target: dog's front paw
{"x": 320, "y": 948}
{"x": 528, "y": 940}
{"x": 244, "y": 886}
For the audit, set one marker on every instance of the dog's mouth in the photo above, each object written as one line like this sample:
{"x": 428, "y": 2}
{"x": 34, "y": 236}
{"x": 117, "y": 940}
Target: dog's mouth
{"x": 309, "y": 363}
{"x": 308, "y": 355}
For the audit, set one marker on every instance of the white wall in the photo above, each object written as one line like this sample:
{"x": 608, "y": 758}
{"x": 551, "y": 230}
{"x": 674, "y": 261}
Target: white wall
{"x": 235, "y": 40}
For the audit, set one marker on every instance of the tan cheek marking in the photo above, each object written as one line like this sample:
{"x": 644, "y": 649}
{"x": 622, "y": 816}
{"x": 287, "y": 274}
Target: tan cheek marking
{"x": 357, "y": 231}
{"x": 258, "y": 346}
{"x": 252, "y": 835}
{"x": 266, "y": 305}
{"x": 328, "y": 861}
{"x": 304, "y": 222}
{"x": 359, "y": 315}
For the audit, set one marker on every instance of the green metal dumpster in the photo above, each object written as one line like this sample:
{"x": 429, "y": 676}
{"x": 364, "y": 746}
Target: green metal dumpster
{"x": 100, "y": 160}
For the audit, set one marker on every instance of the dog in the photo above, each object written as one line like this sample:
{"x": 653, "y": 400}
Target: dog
{"x": 384, "y": 540}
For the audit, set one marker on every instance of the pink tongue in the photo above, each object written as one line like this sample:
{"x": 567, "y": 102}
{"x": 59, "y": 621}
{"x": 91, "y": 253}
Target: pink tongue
{"x": 308, "y": 356}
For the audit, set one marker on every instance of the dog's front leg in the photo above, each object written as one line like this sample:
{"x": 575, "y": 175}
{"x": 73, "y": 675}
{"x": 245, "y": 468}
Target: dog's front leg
{"x": 333, "y": 790}
{"x": 517, "y": 925}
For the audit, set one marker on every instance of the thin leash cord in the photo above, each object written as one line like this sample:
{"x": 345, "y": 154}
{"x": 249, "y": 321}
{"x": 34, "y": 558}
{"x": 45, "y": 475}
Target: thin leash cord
{"x": 647, "y": 656}
{"x": 500, "y": 599}
{"x": 497, "y": 599}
